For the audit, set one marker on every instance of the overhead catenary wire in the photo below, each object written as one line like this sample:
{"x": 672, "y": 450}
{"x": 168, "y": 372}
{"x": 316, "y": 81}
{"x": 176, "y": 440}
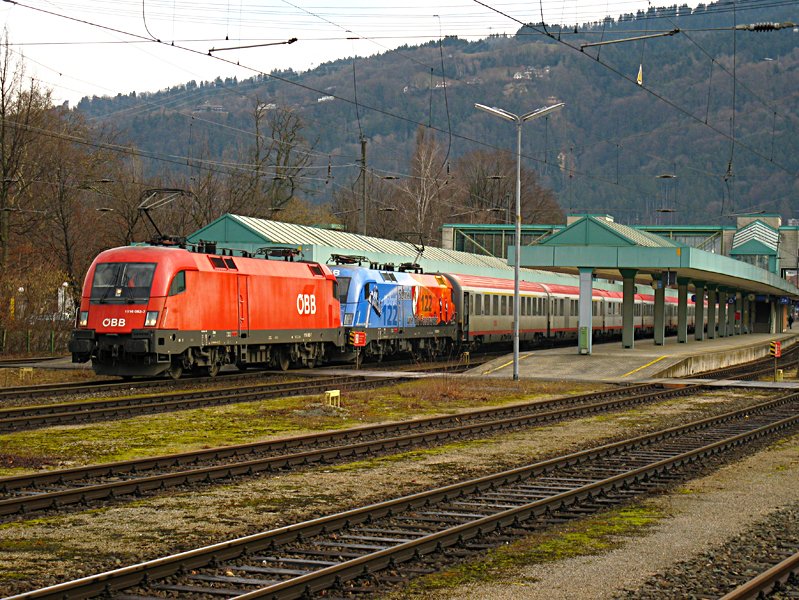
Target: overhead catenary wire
{"x": 660, "y": 97}
{"x": 387, "y": 113}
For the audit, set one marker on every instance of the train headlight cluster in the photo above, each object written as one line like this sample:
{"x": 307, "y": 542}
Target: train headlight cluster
{"x": 151, "y": 318}
{"x": 83, "y": 321}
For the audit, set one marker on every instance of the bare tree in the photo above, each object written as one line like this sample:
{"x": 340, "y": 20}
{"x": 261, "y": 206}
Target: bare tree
{"x": 65, "y": 197}
{"x": 487, "y": 190}
{"x": 21, "y": 110}
{"x": 423, "y": 196}
{"x": 278, "y": 160}
{"x": 381, "y": 206}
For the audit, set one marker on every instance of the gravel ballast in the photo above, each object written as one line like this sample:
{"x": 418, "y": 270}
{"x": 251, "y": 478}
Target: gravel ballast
{"x": 45, "y": 551}
{"x": 687, "y": 554}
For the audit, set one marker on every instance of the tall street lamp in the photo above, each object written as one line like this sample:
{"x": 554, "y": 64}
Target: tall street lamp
{"x": 519, "y": 120}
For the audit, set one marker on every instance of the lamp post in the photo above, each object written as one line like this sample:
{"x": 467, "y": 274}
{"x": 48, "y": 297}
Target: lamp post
{"x": 519, "y": 120}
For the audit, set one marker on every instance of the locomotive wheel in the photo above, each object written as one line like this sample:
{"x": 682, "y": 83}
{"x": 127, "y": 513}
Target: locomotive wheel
{"x": 212, "y": 369}
{"x": 283, "y": 360}
{"x": 175, "y": 371}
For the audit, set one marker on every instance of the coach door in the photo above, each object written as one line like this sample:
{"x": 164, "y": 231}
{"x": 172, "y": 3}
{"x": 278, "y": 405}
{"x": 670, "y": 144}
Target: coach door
{"x": 467, "y": 306}
{"x": 243, "y": 306}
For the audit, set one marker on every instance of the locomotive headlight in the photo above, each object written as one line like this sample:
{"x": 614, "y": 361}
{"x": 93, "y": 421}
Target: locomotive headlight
{"x": 83, "y": 321}
{"x": 151, "y": 318}
{"x": 348, "y": 319}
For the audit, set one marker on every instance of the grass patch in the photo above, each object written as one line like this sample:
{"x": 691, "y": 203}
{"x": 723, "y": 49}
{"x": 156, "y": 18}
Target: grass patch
{"x": 181, "y": 431}
{"x": 412, "y": 455}
{"x": 596, "y": 535}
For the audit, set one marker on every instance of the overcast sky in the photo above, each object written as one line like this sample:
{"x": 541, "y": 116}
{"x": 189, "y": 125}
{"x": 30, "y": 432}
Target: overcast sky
{"x": 105, "y": 47}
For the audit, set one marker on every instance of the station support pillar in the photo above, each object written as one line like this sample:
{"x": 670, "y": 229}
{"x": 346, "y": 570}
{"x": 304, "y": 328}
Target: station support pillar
{"x": 660, "y": 309}
{"x": 745, "y": 326}
{"x": 772, "y": 320}
{"x": 731, "y": 314}
{"x": 722, "y": 313}
{"x": 699, "y": 311}
{"x": 712, "y": 303}
{"x": 628, "y": 308}
{"x": 585, "y": 311}
{"x": 682, "y": 310}
{"x": 738, "y": 322}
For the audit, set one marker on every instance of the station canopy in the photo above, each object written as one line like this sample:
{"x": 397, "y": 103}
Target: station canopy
{"x": 610, "y": 248}
{"x": 251, "y": 234}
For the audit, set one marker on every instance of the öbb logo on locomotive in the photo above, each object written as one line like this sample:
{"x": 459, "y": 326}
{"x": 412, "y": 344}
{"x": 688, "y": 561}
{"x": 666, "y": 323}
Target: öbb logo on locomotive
{"x": 114, "y": 322}
{"x": 182, "y": 309}
{"x": 306, "y": 304}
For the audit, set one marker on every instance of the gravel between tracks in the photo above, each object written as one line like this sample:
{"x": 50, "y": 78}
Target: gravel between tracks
{"x": 687, "y": 554}
{"x": 46, "y": 551}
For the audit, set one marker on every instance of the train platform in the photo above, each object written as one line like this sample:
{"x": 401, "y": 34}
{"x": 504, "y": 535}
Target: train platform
{"x": 645, "y": 362}
{"x": 609, "y": 363}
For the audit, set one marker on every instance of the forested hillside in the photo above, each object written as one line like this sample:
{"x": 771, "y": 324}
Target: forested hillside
{"x": 602, "y": 153}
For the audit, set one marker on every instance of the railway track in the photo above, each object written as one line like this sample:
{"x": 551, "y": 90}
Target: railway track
{"x": 25, "y": 494}
{"x": 781, "y": 580}
{"x": 47, "y": 391}
{"x": 31, "y": 417}
{"x": 50, "y": 390}
{"x": 360, "y": 550}
{"x": 15, "y": 362}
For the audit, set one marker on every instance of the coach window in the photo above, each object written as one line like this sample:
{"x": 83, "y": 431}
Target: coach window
{"x": 178, "y": 285}
{"x": 562, "y": 311}
{"x": 476, "y": 305}
{"x": 523, "y": 306}
{"x": 495, "y": 312}
{"x": 504, "y": 305}
{"x": 486, "y": 304}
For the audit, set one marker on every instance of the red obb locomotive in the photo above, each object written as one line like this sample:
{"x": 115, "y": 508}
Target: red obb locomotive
{"x": 147, "y": 310}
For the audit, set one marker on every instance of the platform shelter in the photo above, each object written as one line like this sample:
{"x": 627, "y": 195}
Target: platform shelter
{"x": 733, "y": 297}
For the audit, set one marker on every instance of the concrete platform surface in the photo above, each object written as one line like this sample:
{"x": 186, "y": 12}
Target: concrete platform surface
{"x": 645, "y": 361}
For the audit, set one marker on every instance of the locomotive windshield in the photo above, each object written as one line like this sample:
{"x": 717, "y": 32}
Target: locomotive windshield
{"x": 343, "y": 288}
{"x": 122, "y": 283}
